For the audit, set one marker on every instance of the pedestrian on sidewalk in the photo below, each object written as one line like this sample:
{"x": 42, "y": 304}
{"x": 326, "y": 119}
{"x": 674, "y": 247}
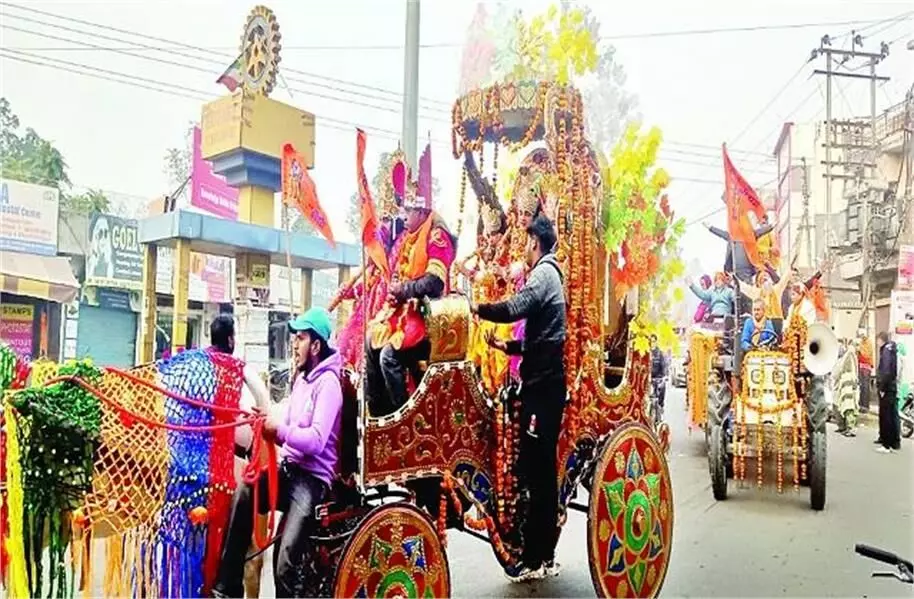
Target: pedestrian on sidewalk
{"x": 845, "y": 381}
{"x": 865, "y": 369}
{"x": 887, "y": 386}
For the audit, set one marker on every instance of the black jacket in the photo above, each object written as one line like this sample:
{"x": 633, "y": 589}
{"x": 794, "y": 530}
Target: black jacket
{"x": 659, "y": 366}
{"x": 737, "y": 261}
{"x": 887, "y": 369}
{"x": 542, "y": 303}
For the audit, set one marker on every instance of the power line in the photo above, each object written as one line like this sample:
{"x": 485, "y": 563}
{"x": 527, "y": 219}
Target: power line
{"x": 168, "y": 88}
{"x": 176, "y": 46}
{"x": 184, "y": 64}
{"x": 610, "y": 37}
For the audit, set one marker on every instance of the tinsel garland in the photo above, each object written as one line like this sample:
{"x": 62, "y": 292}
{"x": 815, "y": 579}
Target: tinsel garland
{"x": 57, "y": 430}
{"x": 13, "y": 375}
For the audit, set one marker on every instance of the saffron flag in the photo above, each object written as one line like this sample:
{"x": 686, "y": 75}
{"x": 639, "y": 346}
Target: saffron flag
{"x": 741, "y": 199}
{"x": 298, "y": 189}
{"x": 371, "y": 239}
{"x": 233, "y": 75}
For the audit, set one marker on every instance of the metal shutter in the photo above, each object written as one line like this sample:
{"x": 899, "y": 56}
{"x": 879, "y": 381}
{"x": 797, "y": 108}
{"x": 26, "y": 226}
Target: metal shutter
{"x": 107, "y": 336}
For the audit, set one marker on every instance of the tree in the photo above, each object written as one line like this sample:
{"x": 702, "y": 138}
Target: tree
{"x": 91, "y": 200}
{"x": 30, "y": 158}
{"x": 179, "y": 163}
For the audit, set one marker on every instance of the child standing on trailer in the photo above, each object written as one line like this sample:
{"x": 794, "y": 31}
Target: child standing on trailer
{"x": 307, "y": 433}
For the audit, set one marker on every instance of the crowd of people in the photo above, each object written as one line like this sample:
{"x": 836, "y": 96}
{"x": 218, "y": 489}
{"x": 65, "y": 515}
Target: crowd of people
{"x": 767, "y": 302}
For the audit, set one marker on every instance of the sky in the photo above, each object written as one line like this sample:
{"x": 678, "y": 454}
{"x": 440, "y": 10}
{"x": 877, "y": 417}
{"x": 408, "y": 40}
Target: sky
{"x": 342, "y": 60}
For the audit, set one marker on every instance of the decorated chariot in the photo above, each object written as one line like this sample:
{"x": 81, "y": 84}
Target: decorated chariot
{"x": 141, "y": 460}
{"x": 766, "y": 408}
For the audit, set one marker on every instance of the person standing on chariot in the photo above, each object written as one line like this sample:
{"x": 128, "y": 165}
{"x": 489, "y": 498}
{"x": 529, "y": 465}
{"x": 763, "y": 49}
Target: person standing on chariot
{"x": 720, "y": 297}
{"x": 801, "y": 307}
{"x": 737, "y": 259}
{"x": 421, "y": 259}
{"x": 543, "y": 393}
{"x": 308, "y": 434}
{"x": 490, "y": 285}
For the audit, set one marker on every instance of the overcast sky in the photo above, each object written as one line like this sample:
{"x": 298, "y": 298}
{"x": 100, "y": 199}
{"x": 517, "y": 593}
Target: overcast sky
{"x": 700, "y": 88}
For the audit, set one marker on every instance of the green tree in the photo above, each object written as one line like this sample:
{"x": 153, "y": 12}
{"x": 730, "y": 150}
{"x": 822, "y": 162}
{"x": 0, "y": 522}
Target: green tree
{"x": 178, "y": 163}
{"x": 27, "y": 156}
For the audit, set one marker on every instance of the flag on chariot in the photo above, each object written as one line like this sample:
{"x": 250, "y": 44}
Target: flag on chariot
{"x": 371, "y": 239}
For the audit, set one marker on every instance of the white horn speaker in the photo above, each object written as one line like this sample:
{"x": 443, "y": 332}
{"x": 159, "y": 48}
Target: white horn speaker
{"x": 821, "y": 352}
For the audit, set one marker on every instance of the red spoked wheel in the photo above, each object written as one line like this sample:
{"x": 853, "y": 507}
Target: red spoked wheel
{"x": 394, "y": 552}
{"x": 630, "y": 517}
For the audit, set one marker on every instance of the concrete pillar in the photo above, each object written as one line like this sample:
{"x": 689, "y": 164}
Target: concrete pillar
{"x": 148, "y": 326}
{"x": 181, "y": 293}
{"x": 307, "y": 287}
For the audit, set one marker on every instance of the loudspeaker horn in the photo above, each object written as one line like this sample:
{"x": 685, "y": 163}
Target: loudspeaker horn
{"x": 821, "y": 352}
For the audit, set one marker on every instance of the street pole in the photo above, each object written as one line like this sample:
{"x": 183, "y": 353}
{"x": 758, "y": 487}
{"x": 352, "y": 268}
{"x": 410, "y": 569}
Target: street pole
{"x": 807, "y": 226}
{"x": 828, "y": 143}
{"x": 410, "y": 129}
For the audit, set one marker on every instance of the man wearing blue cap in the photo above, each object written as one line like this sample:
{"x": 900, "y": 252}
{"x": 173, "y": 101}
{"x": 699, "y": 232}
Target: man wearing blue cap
{"x": 308, "y": 435}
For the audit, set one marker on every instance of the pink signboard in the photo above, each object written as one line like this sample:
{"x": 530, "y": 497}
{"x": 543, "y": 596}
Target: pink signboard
{"x": 16, "y": 327}
{"x": 905, "y": 268}
{"x": 209, "y": 191}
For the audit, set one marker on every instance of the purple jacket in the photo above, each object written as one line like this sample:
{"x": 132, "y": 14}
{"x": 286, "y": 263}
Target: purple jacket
{"x": 309, "y": 430}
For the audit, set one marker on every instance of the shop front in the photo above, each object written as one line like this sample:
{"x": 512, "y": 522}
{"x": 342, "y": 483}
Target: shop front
{"x": 34, "y": 281}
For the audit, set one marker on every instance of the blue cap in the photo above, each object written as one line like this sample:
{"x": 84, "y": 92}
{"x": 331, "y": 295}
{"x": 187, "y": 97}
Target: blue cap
{"x": 316, "y": 320}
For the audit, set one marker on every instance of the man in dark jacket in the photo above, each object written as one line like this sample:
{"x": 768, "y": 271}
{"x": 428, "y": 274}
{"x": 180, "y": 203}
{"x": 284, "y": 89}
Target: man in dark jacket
{"x": 542, "y": 303}
{"x": 660, "y": 370}
{"x": 887, "y": 385}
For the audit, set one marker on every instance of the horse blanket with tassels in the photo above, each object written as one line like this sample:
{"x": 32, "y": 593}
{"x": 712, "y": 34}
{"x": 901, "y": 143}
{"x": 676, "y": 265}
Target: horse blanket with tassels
{"x": 141, "y": 459}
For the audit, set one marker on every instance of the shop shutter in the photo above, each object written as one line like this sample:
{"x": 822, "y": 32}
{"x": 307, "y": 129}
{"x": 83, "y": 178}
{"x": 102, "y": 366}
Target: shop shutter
{"x": 107, "y": 336}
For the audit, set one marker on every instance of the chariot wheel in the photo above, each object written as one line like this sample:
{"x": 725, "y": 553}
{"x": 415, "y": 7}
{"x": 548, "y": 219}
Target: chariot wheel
{"x": 394, "y": 552}
{"x": 630, "y": 517}
{"x": 818, "y": 452}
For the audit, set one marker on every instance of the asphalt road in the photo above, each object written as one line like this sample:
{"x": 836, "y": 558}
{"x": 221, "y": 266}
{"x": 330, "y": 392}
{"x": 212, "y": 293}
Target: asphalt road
{"x": 754, "y": 544}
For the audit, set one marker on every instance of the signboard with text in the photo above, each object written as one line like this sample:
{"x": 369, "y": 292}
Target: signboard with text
{"x": 905, "y": 268}
{"x": 115, "y": 258}
{"x": 28, "y": 218}
{"x": 16, "y": 327}
{"x": 208, "y": 191}
{"x": 209, "y": 281}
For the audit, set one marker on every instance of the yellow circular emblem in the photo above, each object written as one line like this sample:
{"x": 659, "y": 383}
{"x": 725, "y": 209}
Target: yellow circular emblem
{"x": 260, "y": 46}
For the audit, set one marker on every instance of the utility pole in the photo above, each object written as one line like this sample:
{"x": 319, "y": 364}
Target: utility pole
{"x": 859, "y": 148}
{"x": 410, "y": 129}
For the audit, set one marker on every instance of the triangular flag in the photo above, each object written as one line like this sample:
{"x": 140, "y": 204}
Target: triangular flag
{"x": 298, "y": 189}
{"x": 741, "y": 199}
{"x": 371, "y": 239}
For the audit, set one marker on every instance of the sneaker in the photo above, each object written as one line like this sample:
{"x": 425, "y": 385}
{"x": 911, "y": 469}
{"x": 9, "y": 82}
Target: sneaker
{"x": 882, "y": 449}
{"x": 877, "y": 442}
{"x": 552, "y": 568}
{"x": 850, "y": 433}
{"x": 522, "y": 573}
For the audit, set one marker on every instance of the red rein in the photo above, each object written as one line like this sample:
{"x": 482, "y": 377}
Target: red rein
{"x": 252, "y": 471}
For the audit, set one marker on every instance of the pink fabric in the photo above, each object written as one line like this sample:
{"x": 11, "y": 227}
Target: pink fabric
{"x": 514, "y": 362}
{"x": 700, "y": 312}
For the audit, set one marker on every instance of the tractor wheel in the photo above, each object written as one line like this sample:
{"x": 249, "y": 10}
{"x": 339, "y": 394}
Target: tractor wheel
{"x": 717, "y": 462}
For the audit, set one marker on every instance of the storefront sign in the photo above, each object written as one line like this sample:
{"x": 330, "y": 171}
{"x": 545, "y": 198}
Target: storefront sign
{"x": 112, "y": 299}
{"x": 115, "y": 258}
{"x": 28, "y": 218}
{"x": 905, "y": 268}
{"x": 901, "y": 314}
{"x": 208, "y": 191}
{"x": 209, "y": 280}
{"x": 16, "y": 327}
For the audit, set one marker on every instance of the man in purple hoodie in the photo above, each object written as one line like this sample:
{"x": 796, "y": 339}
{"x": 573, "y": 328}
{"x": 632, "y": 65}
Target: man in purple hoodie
{"x": 308, "y": 434}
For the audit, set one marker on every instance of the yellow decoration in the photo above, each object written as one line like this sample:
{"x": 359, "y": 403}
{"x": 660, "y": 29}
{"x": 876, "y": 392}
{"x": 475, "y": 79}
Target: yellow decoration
{"x": 702, "y": 349}
{"x": 18, "y": 578}
{"x": 555, "y": 46}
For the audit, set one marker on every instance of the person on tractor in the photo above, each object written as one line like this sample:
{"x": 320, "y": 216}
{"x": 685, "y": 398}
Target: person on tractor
{"x": 308, "y": 434}
{"x": 758, "y": 330}
{"x": 421, "y": 261}
{"x": 543, "y": 393}
{"x": 720, "y": 297}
